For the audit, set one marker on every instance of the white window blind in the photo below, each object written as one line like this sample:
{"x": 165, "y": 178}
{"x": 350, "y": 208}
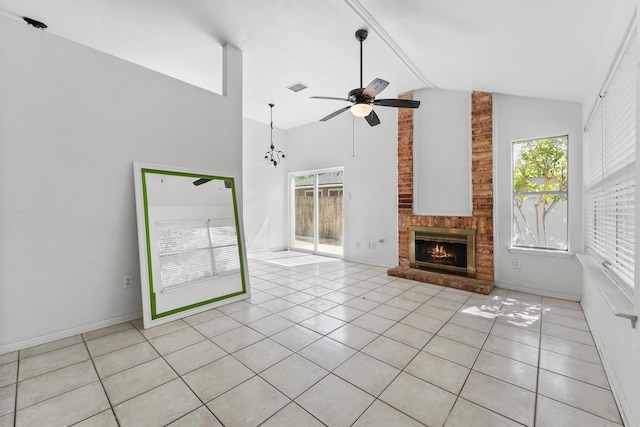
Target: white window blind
{"x": 191, "y": 251}
{"x": 609, "y": 169}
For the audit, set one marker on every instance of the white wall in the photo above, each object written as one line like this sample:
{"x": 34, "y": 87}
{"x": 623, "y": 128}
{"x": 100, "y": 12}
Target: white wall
{"x": 72, "y": 121}
{"x": 370, "y": 159}
{"x": 265, "y": 188}
{"x": 618, "y": 343}
{"x": 517, "y": 118}
{"x": 442, "y": 153}
{"x": 619, "y": 348}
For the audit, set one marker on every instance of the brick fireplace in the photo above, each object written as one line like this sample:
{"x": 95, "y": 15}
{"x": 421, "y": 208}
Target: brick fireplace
{"x": 481, "y": 221}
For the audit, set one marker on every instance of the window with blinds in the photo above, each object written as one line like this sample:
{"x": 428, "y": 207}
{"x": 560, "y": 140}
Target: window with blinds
{"x": 191, "y": 251}
{"x": 609, "y": 169}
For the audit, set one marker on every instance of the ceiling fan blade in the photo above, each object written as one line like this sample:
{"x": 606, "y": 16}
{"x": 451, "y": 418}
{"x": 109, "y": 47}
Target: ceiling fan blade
{"x": 335, "y": 113}
{"x": 372, "y": 118}
{"x": 399, "y": 103}
{"x": 201, "y": 181}
{"x": 330, "y": 97}
{"x": 374, "y": 88}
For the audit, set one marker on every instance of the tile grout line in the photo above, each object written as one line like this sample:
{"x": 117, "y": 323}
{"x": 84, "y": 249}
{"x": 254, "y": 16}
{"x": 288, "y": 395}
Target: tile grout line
{"x": 58, "y": 369}
{"x": 495, "y": 321}
{"x": 115, "y": 416}
{"x": 359, "y": 351}
{"x": 539, "y": 344}
{"x": 571, "y": 378}
{"x": 57, "y": 395}
{"x": 329, "y": 372}
{"x": 292, "y": 401}
{"x": 160, "y": 356}
{"x": 379, "y": 334}
{"x": 535, "y": 402}
{"x": 458, "y": 397}
{"x": 15, "y": 394}
{"x": 563, "y": 375}
{"x": 400, "y": 371}
{"x": 177, "y": 373}
{"x": 239, "y": 361}
{"x": 133, "y": 327}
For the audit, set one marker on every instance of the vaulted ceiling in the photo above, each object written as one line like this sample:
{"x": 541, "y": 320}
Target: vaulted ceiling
{"x": 541, "y": 48}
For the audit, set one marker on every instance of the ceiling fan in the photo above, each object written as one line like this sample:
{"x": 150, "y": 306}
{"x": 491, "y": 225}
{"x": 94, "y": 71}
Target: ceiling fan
{"x": 362, "y": 99}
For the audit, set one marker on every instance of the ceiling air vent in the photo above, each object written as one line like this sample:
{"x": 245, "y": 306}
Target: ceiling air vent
{"x": 297, "y": 87}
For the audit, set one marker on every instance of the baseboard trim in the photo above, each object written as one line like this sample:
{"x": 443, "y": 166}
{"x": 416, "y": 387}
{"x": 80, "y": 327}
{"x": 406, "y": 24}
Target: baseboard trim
{"x": 368, "y": 262}
{"x": 54, "y": 335}
{"x": 534, "y": 291}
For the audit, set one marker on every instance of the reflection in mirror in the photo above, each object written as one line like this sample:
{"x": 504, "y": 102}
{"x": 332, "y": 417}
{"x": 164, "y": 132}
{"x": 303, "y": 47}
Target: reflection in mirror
{"x": 190, "y": 238}
{"x": 192, "y": 250}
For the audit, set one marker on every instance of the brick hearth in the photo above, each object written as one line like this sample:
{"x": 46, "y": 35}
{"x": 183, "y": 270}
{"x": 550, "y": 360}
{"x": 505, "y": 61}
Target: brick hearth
{"x": 482, "y": 199}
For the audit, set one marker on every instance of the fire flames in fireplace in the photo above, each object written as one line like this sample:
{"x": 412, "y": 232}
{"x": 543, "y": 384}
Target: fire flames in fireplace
{"x": 440, "y": 255}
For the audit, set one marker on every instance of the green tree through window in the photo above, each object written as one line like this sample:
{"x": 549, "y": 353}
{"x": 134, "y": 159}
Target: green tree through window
{"x": 540, "y": 193}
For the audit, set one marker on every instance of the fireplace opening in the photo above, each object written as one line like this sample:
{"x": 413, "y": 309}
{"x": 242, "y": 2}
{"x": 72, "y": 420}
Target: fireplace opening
{"x": 450, "y": 251}
{"x": 442, "y": 253}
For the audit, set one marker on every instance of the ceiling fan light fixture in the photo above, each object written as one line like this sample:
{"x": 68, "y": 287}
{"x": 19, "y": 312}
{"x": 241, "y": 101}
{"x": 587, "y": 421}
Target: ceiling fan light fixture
{"x": 361, "y": 109}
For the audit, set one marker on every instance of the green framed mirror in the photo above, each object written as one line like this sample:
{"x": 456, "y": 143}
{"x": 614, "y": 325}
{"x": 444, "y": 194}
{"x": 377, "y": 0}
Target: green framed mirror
{"x": 190, "y": 238}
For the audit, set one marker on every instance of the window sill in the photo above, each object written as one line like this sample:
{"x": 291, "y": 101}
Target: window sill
{"x": 615, "y": 298}
{"x": 543, "y": 252}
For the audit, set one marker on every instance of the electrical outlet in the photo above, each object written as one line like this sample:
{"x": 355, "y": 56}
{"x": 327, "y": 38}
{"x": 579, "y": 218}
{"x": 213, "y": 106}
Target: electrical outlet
{"x": 127, "y": 282}
{"x": 516, "y": 263}
{"x": 357, "y": 245}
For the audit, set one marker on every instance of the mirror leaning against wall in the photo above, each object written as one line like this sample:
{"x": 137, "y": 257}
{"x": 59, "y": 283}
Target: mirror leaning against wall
{"x": 190, "y": 238}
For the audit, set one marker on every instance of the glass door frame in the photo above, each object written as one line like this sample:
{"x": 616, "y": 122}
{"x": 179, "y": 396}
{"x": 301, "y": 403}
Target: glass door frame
{"x": 316, "y": 210}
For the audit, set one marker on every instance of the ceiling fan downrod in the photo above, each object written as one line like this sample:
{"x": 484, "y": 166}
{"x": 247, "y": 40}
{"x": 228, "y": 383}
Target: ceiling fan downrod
{"x": 361, "y": 35}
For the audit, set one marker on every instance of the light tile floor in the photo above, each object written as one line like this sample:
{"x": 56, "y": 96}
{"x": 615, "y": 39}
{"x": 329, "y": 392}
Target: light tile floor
{"x": 324, "y": 343}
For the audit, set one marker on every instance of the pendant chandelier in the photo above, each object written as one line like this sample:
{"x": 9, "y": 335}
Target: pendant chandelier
{"x": 272, "y": 156}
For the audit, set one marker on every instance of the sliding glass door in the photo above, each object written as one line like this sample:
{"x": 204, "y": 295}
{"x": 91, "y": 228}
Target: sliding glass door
{"x": 317, "y": 211}
{"x": 304, "y": 207}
